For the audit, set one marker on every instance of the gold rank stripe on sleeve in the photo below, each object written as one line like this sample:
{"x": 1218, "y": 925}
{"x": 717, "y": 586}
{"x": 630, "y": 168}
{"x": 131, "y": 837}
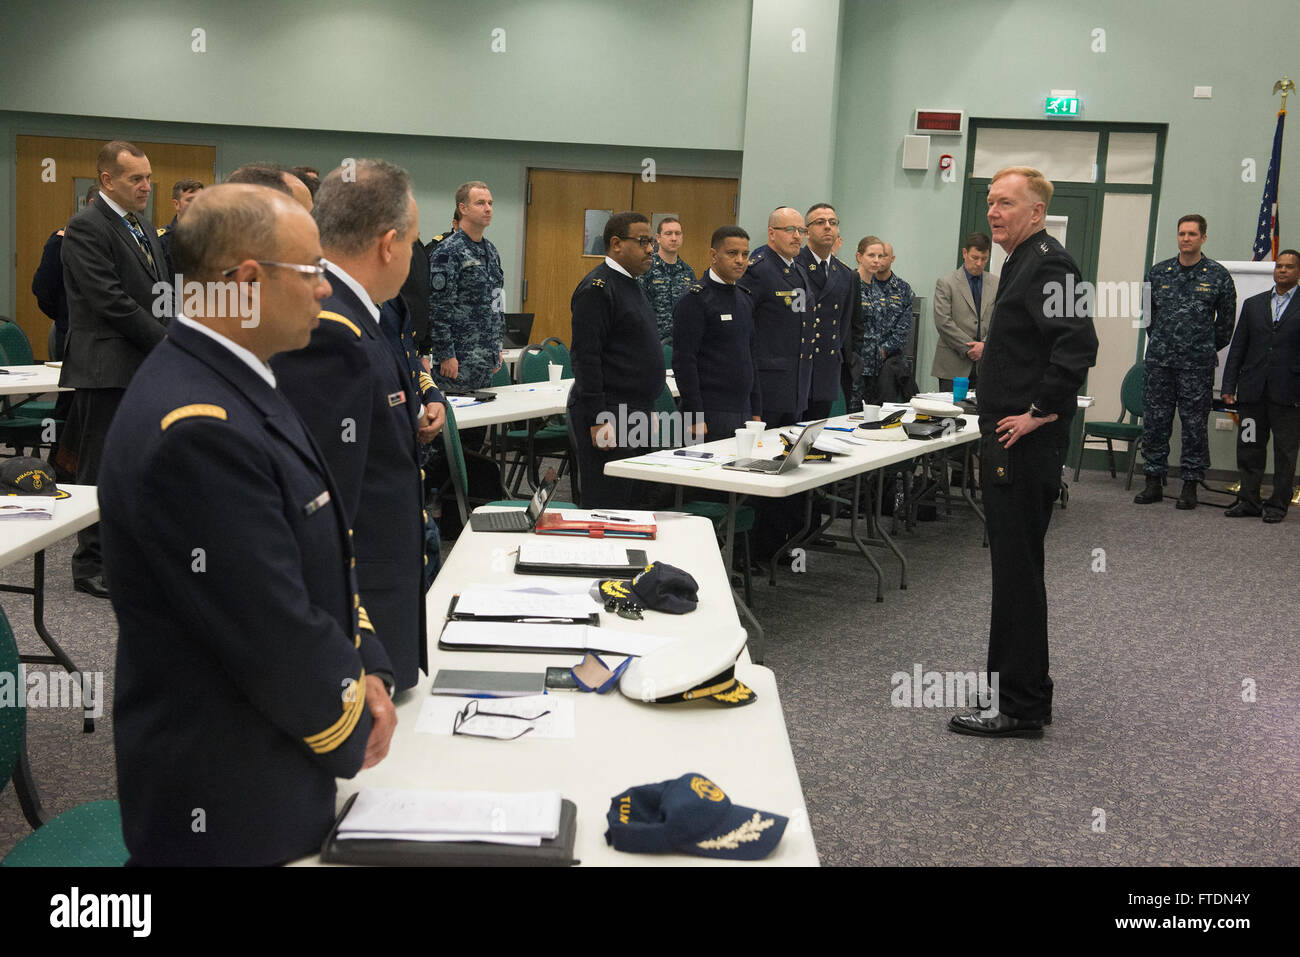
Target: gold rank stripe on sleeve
{"x": 353, "y": 704}
{"x": 189, "y": 411}
{"x": 426, "y": 382}
{"x": 363, "y": 619}
{"x": 335, "y": 317}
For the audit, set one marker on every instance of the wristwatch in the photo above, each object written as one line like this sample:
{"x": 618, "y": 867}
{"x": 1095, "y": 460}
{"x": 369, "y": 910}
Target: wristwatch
{"x": 1036, "y": 412}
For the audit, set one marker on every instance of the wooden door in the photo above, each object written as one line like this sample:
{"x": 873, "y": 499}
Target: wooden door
{"x": 702, "y": 204}
{"x": 554, "y": 262}
{"x": 47, "y": 197}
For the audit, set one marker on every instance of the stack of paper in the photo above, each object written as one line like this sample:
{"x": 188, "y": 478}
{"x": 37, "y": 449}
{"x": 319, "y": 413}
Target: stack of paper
{"x": 496, "y": 817}
{"x": 27, "y": 506}
{"x": 493, "y": 601}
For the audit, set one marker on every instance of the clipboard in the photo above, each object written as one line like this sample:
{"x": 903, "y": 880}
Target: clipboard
{"x": 386, "y": 852}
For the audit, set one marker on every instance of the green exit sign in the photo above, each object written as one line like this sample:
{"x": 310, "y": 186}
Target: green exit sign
{"x": 1062, "y": 106}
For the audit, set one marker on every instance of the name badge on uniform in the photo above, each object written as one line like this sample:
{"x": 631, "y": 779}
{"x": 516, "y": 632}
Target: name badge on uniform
{"x": 316, "y": 504}
{"x": 396, "y": 398}
{"x": 725, "y": 317}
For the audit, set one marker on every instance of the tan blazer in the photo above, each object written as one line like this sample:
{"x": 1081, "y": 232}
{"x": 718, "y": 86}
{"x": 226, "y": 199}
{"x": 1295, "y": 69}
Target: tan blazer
{"x": 954, "y": 318}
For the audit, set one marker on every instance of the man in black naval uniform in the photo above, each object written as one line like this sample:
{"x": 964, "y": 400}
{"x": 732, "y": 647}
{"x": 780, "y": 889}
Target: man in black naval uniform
{"x": 357, "y": 397}
{"x": 837, "y": 314}
{"x": 618, "y": 363}
{"x": 714, "y": 340}
{"x": 783, "y": 304}
{"x": 183, "y": 193}
{"x": 1032, "y": 367}
{"x": 247, "y": 680}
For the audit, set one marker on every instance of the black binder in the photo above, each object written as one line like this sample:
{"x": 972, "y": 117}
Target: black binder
{"x": 387, "y": 852}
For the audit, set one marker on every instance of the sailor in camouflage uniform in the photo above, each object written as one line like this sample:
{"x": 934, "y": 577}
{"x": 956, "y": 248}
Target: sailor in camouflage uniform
{"x": 1193, "y": 306}
{"x": 668, "y": 277}
{"x": 467, "y": 297}
{"x": 886, "y": 312}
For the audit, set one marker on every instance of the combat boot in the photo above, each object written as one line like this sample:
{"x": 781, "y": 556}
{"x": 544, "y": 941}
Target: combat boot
{"x": 1187, "y": 499}
{"x": 1152, "y": 493}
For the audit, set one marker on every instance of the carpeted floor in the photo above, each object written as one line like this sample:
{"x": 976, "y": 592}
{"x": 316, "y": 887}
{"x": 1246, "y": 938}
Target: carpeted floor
{"x": 1153, "y": 758}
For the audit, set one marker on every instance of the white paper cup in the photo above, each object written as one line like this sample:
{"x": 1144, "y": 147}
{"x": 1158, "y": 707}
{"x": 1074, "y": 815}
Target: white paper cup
{"x": 870, "y": 413}
{"x": 756, "y": 426}
{"x": 745, "y": 443}
{"x": 554, "y": 371}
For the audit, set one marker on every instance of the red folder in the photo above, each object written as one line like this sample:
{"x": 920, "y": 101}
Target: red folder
{"x": 551, "y": 523}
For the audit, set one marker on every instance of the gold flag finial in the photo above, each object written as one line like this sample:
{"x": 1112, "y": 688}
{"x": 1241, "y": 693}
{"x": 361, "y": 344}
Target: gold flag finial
{"x": 1285, "y": 86}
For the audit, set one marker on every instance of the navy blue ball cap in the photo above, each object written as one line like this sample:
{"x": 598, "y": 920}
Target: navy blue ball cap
{"x": 690, "y": 815}
{"x": 24, "y": 475}
{"x": 664, "y": 587}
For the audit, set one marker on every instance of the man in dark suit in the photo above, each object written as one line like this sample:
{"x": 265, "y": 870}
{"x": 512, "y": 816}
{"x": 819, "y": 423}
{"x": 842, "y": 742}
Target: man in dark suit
{"x": 247, "y": 678}
{"x": 963, "y": 309}
{"x": 356, "y": 394}
{"x": 1262, "y": 379}
{"x": 119, "y": 305}
{"x": 783, "y": 304}
{"x": 837, "y": 314}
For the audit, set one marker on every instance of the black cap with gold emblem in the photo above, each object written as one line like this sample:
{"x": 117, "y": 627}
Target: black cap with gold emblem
{"x": 24, "y": 475}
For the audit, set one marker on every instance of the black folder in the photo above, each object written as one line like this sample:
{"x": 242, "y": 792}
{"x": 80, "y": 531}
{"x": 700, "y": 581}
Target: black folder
{"x": 387, "y": 852}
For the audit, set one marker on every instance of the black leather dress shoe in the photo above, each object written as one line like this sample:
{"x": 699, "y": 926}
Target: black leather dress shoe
{"x": 1242, "y": 510}
{"x": 94, "y": 585}
{"x": 1273, "y": 515}
{"x": 994, "y": 724}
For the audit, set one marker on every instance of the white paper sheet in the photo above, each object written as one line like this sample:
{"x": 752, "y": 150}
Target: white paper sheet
{"x": 468, "y": 634}
{"x": 523, "y": 602}
{"x": 389, "y": 812}
{"x": 573, "y": 552}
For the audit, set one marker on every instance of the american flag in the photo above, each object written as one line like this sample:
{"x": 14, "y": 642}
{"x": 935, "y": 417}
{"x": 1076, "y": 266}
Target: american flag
{"x": 1267, "y": 235}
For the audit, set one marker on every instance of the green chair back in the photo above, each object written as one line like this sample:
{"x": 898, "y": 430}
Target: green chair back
{"x": 668, "y": 356}
{"x": 501, "y": 376}
{"x": 533, "y": 362}
{"x": 13, "y": 716}
{"x": 558, "y": 353}
{"x": 666, "y": 433}
{"x": 839, "y": 406}
{"x": 1130, "y": 390}
{"x": 15, "y": 350}
{"x": 456, "y": 462}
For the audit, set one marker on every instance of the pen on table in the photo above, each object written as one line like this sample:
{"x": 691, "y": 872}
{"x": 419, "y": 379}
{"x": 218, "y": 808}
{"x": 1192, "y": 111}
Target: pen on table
{"x": 839, "y": 428}
{"x": 610, "y": 518}
{"x": 544, "y": 621}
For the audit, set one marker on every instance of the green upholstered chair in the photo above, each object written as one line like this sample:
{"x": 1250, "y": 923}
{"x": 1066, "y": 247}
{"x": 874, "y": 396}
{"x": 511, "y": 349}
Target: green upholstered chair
{"x": 1130, "y": 397}
{"x": 89, "y": 835}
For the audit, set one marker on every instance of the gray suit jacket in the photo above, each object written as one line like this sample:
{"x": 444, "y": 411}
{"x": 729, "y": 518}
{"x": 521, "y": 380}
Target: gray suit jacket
{"x": 115, "y": 314}
{"x": 954, "y": 317}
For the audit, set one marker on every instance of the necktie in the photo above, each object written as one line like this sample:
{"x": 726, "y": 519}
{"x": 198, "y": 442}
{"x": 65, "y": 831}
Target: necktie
{"x": 1277, "y": 309}
{"x": 976, "y": 291}
{"x": 139, "y": 238}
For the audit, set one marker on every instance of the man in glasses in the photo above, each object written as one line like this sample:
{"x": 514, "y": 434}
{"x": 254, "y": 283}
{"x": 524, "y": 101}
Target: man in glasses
{"x": 245, "y": 682}
{"x": 783, "y": 304}
{"x": 618, "y": 363}
{"x": 363, "y": 408}
{"x": 837, "y": 314}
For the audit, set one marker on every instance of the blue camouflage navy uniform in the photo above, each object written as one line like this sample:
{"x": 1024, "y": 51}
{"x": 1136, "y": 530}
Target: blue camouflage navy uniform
{"x": 363, "y": 409}
{"x": 887, "y": 320}
{"x": 243, "y": 650}
{"x": 837, "y": 331}
{"x": 664, "y": 285}
{"x": 1192, "y": 313}
{"x": 783, "y": 322}
{"x": 466, "y": 309}
{"x": 713, "y": 356}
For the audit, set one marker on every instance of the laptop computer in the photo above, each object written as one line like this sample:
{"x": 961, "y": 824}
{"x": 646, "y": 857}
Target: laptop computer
{"x": 787, "y": 464}
{"x": 519, "y": 326}
{"x": 524, "y": 520}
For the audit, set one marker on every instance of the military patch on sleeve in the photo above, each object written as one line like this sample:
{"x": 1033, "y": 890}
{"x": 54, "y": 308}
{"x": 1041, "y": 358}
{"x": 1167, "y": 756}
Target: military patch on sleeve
{"x": 189, "y": 411}
{"x": 598, "y": 283}
{"x": 697, "y": 287}
{"x": 438, "y": 282}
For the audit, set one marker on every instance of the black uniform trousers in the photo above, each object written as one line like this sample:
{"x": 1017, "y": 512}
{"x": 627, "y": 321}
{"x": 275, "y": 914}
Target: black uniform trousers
{"x": 598, "y": 489}
{"x": 1283, "y": 421}
{"x": 88, "y": 421}
{"x": 1018, "y": 514}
